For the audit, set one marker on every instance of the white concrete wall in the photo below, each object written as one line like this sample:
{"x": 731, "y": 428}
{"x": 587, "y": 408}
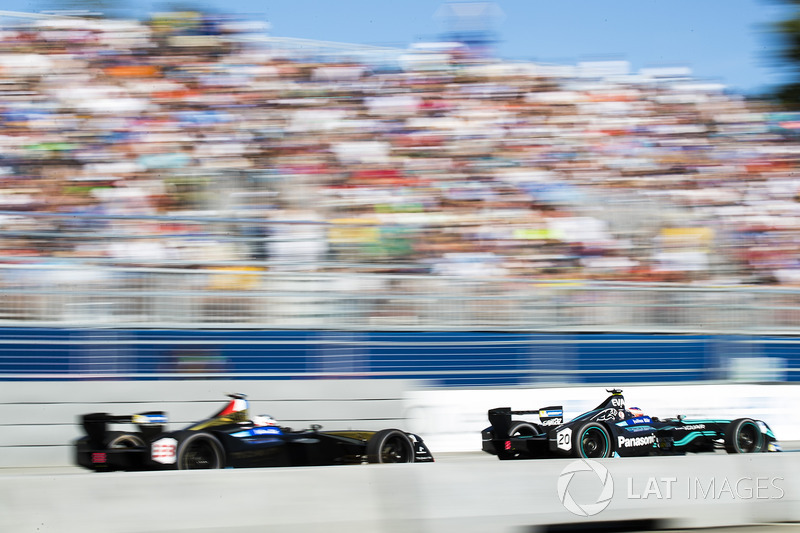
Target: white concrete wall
{"x": 442, "y": 497}
{"x": 40, "y": 420}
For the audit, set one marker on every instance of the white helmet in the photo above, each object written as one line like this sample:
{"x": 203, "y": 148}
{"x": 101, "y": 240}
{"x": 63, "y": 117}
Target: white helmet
{"x": 264, "y": 420}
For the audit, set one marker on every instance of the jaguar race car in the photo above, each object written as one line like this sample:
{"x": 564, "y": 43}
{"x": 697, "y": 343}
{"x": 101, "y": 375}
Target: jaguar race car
{"x": 612, "y": 430}
{"x": 231, "y": 438}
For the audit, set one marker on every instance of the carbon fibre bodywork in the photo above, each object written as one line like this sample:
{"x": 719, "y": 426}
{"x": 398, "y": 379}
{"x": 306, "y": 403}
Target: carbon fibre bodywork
{"x": 231, "y": 439}
{"x": 612, "y": 430}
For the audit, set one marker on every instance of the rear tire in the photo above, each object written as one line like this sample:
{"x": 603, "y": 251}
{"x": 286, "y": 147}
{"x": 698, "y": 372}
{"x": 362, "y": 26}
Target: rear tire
{"x": 743, "y": 436}
{"x": 200, "y": 451}
{"x": 390, "y": 446}
{"x": 592, "y": 440}
{"x": 119, "y": 439}
{"x": 523, "y": 429}
{"x": 519, "y": 429}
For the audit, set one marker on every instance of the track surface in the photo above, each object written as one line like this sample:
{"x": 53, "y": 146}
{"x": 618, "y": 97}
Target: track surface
{"x": 446, "y": 457}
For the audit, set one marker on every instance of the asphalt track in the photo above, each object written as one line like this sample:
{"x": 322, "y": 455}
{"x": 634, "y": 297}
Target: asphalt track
{"x": 62, "y": 495}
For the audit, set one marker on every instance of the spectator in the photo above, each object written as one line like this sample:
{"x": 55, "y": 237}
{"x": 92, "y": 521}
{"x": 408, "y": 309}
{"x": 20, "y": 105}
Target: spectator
{"x": 470, "y": 167}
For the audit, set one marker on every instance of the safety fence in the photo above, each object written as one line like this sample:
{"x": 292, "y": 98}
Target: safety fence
{"x": 249, "y": 297}
{"x": 433, "y": 359}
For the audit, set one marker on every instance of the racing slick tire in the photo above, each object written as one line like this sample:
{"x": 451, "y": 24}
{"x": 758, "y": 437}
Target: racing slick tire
{"x": 519, "y": 429}
{"x": 390, "y": 446}
{"x": 591, "y": 440}
{"x": 744, "y": 436}
{"x": 524, "y": 429}
{"x": 120, "y": 439}
{"x": 200, "y": 451}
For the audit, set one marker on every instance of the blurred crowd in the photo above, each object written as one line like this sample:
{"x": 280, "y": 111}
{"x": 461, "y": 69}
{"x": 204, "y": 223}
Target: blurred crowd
{"x": 189, "y": 140}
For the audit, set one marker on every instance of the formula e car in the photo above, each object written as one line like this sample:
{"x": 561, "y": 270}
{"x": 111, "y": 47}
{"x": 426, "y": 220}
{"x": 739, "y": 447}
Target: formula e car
{"x": 611, "y": 430}
{"x": 231, "y": 438}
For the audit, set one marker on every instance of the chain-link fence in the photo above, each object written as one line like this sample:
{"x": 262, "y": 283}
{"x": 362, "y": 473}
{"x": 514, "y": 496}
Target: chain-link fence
{"x": 252, "y": 298}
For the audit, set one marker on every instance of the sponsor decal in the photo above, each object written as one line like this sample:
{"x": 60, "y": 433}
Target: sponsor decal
{"x": 636, "y": 421}
{"x": 149, "y": 419}
{"x": 608, "y": 414}
{"x": 552, "y": 422}
{"x": 618, "y": 402}
{"x": 164, "y": 451}
{"x": 692, "y": 427}
{"x": 545, "y": 414}
{"x": 267, "y": 431}
{"x": 631, "y": 442}
{"x": 638, "y": 429}
{"x": 258, "y": 431}
{"x": 690, "y": 436}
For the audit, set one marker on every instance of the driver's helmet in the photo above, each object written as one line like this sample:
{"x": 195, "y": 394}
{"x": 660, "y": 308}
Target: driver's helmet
{"x": 635, "y": 411}
{"x": 264, "y": 420}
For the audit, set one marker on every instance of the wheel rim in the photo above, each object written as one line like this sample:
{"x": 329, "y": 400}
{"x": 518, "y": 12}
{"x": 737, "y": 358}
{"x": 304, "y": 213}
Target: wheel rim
{"x": 200, "y": 454}
{"x": 395, "y": 450}
{"x": 747, "y": 439}
{"x": 594, "y": 443}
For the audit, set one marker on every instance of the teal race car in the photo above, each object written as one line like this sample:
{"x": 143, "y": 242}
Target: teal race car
{"x": 613, "y": 430}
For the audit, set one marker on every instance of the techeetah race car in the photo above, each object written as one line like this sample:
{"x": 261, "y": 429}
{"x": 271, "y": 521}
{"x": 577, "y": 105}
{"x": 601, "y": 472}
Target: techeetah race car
{"x": 231, "y": 438}
{"x": 611, "y": 430}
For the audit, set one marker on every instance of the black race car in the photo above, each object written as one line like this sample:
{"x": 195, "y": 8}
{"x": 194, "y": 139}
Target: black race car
{"x": 231, "y": 438}
{"x": 611, "y": 430}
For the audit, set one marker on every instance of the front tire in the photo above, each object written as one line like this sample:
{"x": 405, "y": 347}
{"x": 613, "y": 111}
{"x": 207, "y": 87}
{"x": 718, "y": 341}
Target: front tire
{"x": 200, "y": 451}
{"x": 592, "y": 441}
{"x": 743, "y": 436}
{"x": 390, "y": 446}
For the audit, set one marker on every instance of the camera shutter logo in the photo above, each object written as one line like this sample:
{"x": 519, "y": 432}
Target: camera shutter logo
{"x": 587, "y": 509}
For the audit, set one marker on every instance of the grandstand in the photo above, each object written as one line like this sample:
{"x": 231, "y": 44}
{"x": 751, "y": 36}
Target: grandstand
{"x": 193, "y": 172}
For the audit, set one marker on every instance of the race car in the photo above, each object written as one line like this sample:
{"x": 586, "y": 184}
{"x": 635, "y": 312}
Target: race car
{"x": 231, "y": 438}
{"x": 612, "y": 430}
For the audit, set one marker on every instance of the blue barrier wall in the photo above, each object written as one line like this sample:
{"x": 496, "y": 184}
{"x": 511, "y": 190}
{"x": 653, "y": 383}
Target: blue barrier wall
{"x": 437, "y": 358}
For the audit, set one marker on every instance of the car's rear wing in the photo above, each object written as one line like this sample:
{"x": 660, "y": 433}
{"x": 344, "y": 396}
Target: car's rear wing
{"x": 500, "y": 417}
{"x": 149, "y": 423}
